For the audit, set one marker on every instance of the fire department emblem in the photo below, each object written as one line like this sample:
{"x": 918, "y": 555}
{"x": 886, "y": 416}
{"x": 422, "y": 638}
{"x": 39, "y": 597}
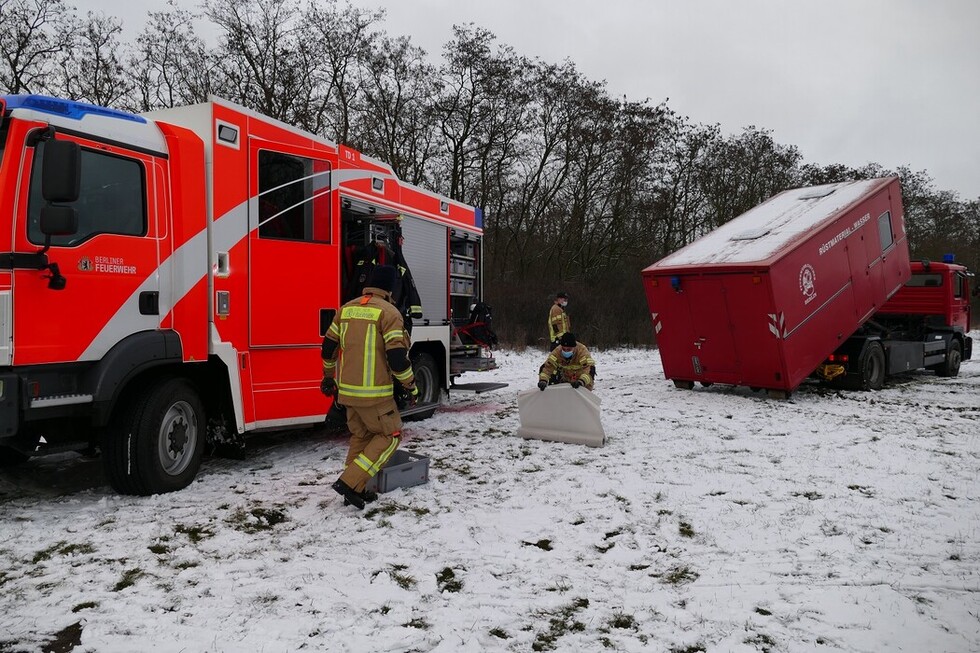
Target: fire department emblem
{"x": 85, "y": 264}
{"x": 808, "y": 279}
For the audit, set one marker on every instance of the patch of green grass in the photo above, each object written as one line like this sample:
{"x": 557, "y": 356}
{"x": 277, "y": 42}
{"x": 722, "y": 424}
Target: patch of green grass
{"x": 763, "y": 612}
{"x": 680, "y": 575}
{"x": 419, "y": 623}
{"x": 257, "y": 518}
{"x": 638, "y": 567}
{"x": 63, "y": 548}
{"x": 544, "y": 545}
{"x": 129, "y": 578}
{"x": 685, "y": 529}
{"x": 559, "y": 624}
{"x": 403, "y": 581}
{"x": 87, "y": 605}
{"x": 602, "y": 548}
{"x": 763, "y": 641}
{"x": 499, "y": 633}
{"x": 578, "y": 521}
{"x": 447, "y": 581}
{"x": 186, "y": 564}
{"x": 195, "y": 533}
{"x": 810, "y": 495}
{"x": 623, "y": 621}
{"x": 159, "y": 548}
{"x": 693, "y": 648}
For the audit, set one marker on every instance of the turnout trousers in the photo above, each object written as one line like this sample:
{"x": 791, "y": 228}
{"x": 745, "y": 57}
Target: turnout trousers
{"x": 375, "y": 434}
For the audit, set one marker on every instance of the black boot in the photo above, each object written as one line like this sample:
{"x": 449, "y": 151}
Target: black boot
{"x": 367, "y": 495}
{"x": 350, "y": 496}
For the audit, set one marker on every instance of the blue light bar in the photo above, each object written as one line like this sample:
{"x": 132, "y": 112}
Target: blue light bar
{"x": 949, "y": 258}
{"x": 66, "y": 108}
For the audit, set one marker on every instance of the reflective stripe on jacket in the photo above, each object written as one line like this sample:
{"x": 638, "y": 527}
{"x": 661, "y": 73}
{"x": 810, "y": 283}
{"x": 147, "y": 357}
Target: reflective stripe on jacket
{"x": 365, "y": 329}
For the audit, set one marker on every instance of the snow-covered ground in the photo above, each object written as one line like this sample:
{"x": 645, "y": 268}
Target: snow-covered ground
{"x": 713, "y": 520}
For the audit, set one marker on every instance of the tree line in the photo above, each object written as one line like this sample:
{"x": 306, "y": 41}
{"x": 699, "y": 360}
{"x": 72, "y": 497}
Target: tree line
{"x": 580, "y": 189}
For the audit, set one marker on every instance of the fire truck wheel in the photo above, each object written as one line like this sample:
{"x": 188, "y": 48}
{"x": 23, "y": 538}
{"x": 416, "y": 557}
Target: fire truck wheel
{"x": 872, "y": 367}
{"x": 11, "y": 457}
{"x": 954, "y": 356}
{"x": 156, "y": 441}
{"x": 426, "y": 378}
{"x": 683, "y": 385}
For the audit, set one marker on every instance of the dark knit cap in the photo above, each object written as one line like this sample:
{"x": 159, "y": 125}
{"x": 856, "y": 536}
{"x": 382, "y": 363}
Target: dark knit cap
{"x": 561, "y": 295}
{"x": 567, "y": 340}
{"x": 383, "y": 277}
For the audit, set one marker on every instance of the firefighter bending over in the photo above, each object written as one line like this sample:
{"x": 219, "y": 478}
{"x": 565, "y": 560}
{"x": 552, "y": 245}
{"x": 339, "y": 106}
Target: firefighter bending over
{"x": 558, "y": 320}
{"x": 369, "y": 336}
{"x": 570, "y": 362}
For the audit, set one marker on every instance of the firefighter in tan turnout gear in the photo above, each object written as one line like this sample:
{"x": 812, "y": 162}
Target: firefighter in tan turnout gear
{"x": 558, "y": 321}
{"x": 369, "y": 336}
{"x": 569, "y": 362}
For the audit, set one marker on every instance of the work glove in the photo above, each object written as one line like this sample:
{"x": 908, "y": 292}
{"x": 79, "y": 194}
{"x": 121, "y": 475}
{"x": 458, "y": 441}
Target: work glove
{"x": 576, "y": 383}
{"x": 413, "y": 395}
{"x": 542, "y": 385}
{"x": 328, "y": 386}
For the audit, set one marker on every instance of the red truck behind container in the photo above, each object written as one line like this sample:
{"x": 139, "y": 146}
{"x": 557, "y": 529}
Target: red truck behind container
{"x": 795, "y": 287}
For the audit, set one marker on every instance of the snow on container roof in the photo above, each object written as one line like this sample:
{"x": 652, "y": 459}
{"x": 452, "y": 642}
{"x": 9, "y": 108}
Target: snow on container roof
{"x": 766, "y": 229}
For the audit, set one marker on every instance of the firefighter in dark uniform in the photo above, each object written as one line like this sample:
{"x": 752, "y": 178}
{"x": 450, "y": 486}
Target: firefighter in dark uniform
{"x": 570, "y": 362}
{"x": 558, "y": 321}
{"x": 369, "y": 337}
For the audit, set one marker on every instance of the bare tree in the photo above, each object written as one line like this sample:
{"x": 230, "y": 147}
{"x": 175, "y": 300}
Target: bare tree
{"x": 171, "y": 65}
{"x": 92, "y": 69}
{"x": 396, "y": 122}
{"x": 33, "y": 33}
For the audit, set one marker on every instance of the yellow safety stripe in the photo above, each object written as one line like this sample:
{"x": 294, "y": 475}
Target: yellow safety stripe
{"x": 373, "y": 467}
{"x": 367, "y": 391}
{"x": 329, "y": 365}
{"x": 343, "y": 335}
{"x": 415, "y": 309}
{"x": 334, "y": 330}
{"x": 394, "y": 334}
{"x": 586, "y": 379}
{"x": 404, "y": 376}
{"x": 552, "y": 359}
{"x": 370, "y": 339}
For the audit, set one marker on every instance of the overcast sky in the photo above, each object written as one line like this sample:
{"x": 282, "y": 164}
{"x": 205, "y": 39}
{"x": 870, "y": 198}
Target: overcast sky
{"x": 847, "y": 81}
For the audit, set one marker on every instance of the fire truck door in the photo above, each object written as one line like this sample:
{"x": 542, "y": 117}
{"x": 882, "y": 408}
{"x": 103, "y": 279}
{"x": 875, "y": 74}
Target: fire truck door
{"x": 713, "y": 348}
{"x": 110, "y": 266}
{"x": 292, "y": 274}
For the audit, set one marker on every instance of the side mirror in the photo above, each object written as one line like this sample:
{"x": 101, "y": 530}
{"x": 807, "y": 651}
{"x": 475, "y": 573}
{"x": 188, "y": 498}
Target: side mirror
{"x": 59, "y": 221}
{"x": 61, "y": 171}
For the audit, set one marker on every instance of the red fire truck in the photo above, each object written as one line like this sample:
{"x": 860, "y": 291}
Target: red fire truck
{"x": 810, "y": 282}
{"x": 166, "y": 279}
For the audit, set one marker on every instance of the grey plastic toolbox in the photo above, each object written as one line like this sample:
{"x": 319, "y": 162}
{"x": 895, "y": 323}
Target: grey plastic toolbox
{"x": 404, "y": 469}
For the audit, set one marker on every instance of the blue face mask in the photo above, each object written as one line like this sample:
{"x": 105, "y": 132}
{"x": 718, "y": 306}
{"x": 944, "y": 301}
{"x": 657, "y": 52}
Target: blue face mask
{"x": 567, "y": 354}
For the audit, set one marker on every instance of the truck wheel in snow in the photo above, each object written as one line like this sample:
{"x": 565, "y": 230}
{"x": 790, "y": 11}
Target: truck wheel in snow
{"x": 683, "y": 385}
{"x": 426, "y": 378}
{"x": 872, "y": 367}
{"x": 11, "y": 457}
{"x": 954, "y": 356}
{"x": 156, "y": 440}
{"x": 706, "y": 384}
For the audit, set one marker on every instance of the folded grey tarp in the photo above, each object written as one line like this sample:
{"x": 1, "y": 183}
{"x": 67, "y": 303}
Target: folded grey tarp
{"x": 561, "y": 413}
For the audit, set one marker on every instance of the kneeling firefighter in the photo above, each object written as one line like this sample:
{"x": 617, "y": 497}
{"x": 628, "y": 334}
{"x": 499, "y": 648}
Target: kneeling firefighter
{"x": 569, "y": 362}
{"x": 369, "y": 336}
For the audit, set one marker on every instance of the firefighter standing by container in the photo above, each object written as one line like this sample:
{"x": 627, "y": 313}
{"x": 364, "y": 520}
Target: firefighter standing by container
{"x": 570, "y": 362}
{"x": 369, "y": 336}
{"x": 558, "y": 320}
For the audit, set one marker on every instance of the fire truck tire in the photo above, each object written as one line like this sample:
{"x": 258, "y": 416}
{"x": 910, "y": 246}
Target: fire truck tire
{"x": 11, "y": 457}
{"x": 683, "y": 385}
{"x": 872, "y": 367}
{"x": 426, "y": 378}
{"x": 954, "y": 356}
{"x": 156, "y": 441}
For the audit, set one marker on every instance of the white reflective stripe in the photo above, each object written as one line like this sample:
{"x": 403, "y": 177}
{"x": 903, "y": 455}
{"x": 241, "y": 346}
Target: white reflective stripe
{"x": 6, "y": 329}
{"x": 63, "y": 400}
